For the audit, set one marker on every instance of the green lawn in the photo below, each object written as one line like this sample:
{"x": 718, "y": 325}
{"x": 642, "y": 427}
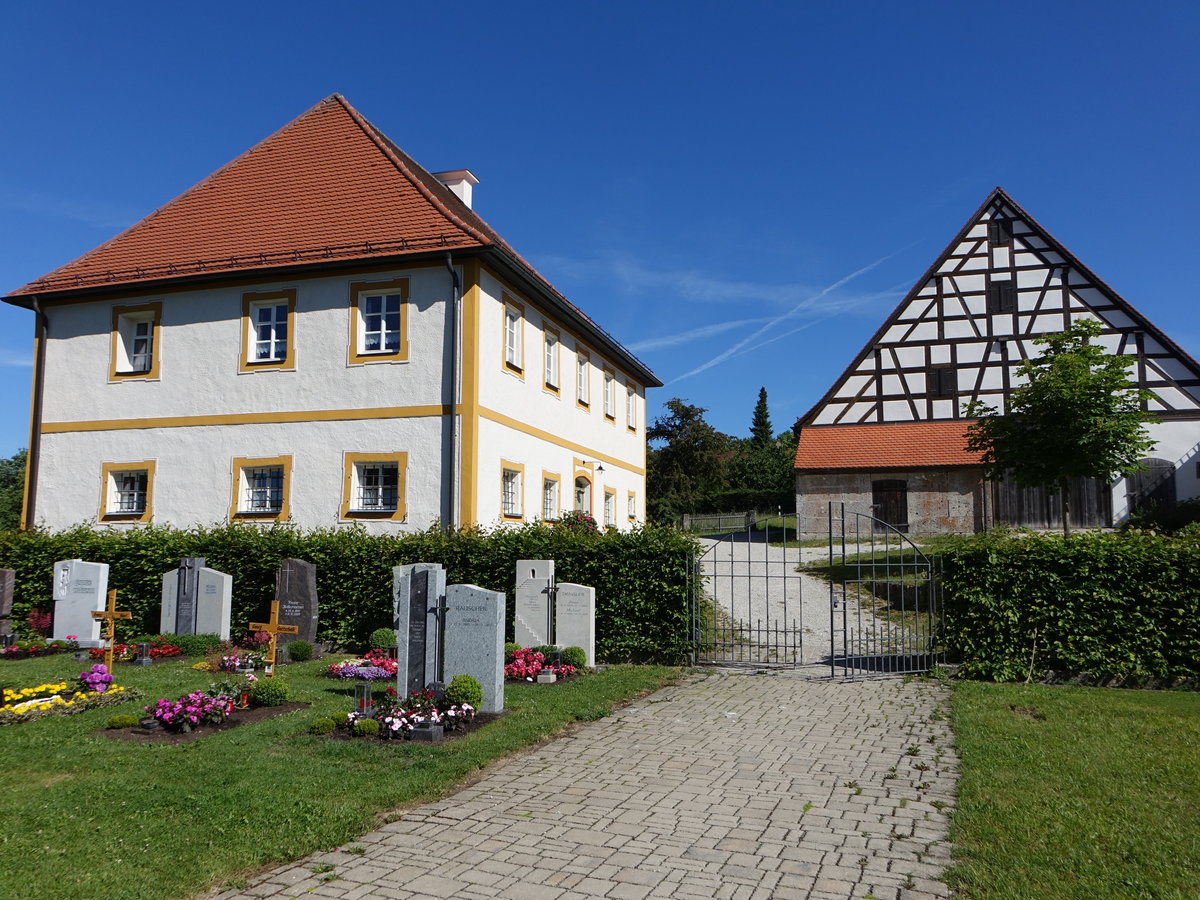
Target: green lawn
{"x": 86, "y": 816}
{"x": 1070, "y": 792}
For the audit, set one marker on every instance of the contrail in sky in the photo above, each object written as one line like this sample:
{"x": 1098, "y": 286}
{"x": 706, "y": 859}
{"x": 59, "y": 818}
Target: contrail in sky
{"x": 683, "y": 337}
{"x": 731, "y": 351}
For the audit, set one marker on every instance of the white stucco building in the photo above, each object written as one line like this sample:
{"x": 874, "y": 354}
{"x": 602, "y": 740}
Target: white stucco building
{"x": 324, "y": 332}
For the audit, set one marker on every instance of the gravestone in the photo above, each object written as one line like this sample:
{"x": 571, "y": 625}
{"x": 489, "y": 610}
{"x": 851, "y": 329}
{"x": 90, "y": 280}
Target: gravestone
{"x": 196, "y": 600}
{"x": 535, "y": 581}
{"x": 80, "y": 589}
{"x": 296, "y": 591}
{"x": 7, "y": 582}
{"x": 474, "y": 640}
{"x": 416, "y": 592}
{"x": 575, "y": 618}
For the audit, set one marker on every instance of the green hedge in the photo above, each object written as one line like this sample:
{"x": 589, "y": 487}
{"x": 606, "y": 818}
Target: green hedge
{"x": 640, "y": 576}
{"x": 1110, "y": 605}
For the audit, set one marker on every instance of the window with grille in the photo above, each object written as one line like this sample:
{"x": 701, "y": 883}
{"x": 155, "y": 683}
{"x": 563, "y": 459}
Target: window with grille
{"x": 549, "y": 499}
{"x": 380, "y": 320}
{"x": 129, "y": 495}
{"x": 270, "y": 332}
{"x": 511, "y": 492}
{"x": 378, "y": 487}
{"x": 263, "y": 489}
{"x": 610, "y": 508}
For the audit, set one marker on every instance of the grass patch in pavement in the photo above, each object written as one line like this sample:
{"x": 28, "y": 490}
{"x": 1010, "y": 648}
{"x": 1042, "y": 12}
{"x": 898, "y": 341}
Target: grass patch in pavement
{"x": 1074, "y": 792}
{"x": 86, "y": 816}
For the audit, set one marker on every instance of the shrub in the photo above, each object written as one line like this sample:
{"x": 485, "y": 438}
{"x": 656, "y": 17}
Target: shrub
{"x": 545, "y": 650}
{"x": 1163, "y": 517}
{"x": 381, "y": 638}
{"x": 340, "y": 720}
{"x": 1109, "y": 605}
{"x": 122, "y": 721}
{"x": 269, "y": 692}
{"x": 321, "y": 725}
{"x": 366, "y": 727}
{"x": 464, "y": 689}
{"x": 574, "y": 656}
{"x": 510, "y": 650}
{"x": 191, "y": 644}
{"x": 299, "y": 651}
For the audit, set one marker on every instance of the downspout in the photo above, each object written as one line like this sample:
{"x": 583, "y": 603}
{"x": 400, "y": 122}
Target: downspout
{"x": 29, "y": 512}
{"x": 452, "y": 523}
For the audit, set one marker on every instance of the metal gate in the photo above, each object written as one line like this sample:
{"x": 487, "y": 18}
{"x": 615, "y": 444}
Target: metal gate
{"x": 747, "y": 597}
{"x": 885, "y": 617}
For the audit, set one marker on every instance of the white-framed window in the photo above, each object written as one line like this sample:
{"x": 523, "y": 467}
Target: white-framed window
{"x": 551, "y": 361}
{"x": 379, "y": 319}
{"x": 262, "y": 489}
{"x": 129, "y": 492}
{"x": 549, "y": 499}
{"x": 134, "y": 341}
{"x": 631, "y": 506}
{"x": 583, "y": 393}
{"x": 377, "y": 486}
{"x": 269, "y": 337}
{"x": 610, "y": 508}
{"x": 610, "y": 395}
{"x": 631, "y": 408}
{"x": 513, "y": 351}
{"x": 510, "y": 493}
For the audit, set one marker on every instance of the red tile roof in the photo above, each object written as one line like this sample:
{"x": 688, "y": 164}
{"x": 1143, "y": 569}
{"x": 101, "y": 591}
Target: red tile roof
{"x": 900, "y": 445}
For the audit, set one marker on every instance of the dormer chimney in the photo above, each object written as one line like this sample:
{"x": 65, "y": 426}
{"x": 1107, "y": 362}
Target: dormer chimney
{"x": 459, "y": 181}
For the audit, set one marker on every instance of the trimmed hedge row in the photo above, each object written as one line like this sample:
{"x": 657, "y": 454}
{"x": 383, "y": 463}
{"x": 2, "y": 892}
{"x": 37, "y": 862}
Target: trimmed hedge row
{"x": 640, "y": 576}
{"x": 1110, "y": 605}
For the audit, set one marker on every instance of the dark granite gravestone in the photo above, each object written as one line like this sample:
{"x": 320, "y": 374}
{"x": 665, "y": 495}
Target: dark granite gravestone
{"x": 196, "y": 600}
{"x": 7, "y": 581}
{"x": 417, "y": 592}
{"x": 296, "y": 591}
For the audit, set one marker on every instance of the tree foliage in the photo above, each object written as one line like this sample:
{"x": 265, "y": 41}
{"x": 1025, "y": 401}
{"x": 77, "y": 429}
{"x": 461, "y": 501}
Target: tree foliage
{"x": 1076, "y": 416}
{"x": 685, "y": 463}
{"x": 12, "y": 489}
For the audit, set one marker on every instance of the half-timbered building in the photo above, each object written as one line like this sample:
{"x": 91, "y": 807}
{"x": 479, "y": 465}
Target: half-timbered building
{"x": 889, "y": 435}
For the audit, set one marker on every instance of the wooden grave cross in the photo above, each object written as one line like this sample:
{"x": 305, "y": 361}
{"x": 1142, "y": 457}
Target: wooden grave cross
{"x": 110, "y": 617}
{"x": 274, "y": 629}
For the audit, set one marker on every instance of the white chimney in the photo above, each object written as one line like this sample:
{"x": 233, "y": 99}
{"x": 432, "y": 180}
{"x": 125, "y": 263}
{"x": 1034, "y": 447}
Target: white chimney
{"x": 459, "y": 181}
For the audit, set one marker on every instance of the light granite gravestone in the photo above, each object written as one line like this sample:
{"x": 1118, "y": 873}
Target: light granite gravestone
{"x": 7, "y": 582}
{"x": 474, "y": 640}
{"x": 535, "y": 583}
{"x": 296, "y": 591}
{"x": 80, "y": 588}
{"x": 417, "y": 590}
{"x": 196, "y": 600}
{"x": 575, "y": 618}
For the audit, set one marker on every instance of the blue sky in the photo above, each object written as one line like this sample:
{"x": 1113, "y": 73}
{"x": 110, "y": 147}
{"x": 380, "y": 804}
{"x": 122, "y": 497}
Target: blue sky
{"x": 739, "y": 192}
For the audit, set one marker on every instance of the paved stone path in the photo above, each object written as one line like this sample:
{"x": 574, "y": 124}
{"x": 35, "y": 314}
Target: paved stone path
{"x": 732, "y": 785}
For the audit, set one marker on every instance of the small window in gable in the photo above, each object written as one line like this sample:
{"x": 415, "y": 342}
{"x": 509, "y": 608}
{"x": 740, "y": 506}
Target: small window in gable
{"x": 267, "y": 320}
{"x": 373, "y": 486}
{"x": 1000, "y": 231}
{"x": 1002, "y": 297}
{"x": 942, "y": 381}
{"x": 135, "y": 341}
{"x": 126, "y": 491}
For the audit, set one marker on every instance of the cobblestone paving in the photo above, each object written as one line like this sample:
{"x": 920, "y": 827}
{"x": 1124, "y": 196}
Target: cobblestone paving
{"x": 732, "y": 785}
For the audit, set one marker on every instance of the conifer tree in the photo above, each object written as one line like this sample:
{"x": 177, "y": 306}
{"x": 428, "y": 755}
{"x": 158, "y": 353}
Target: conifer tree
{"x": 761, "y": 432}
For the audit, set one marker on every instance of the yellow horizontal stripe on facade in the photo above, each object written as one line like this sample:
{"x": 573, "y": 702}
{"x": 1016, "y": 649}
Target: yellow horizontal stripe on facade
{"x": 309, "y": 415}
{"x": 587, "y": 452}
